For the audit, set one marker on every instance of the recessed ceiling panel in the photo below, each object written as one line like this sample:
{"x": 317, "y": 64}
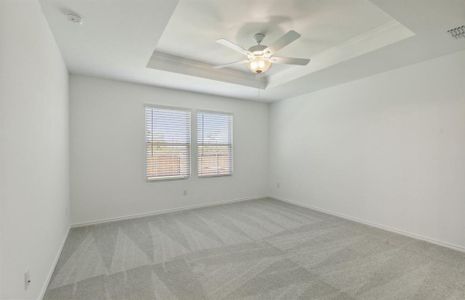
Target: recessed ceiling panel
{"x": 197, "y": 24}
{"x": 323, "y": 24}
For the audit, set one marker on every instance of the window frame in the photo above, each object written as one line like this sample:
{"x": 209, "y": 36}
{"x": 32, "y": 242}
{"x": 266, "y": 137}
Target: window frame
{"x": 197, "y": 144}
{"x": 168, "y": 178}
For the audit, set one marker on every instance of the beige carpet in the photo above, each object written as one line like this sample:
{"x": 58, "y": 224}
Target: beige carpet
{"x": 261, "y": 249}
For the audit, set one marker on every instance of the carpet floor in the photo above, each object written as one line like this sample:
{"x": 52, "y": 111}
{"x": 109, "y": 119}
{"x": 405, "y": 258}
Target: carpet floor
{"x": 260, "y": 249}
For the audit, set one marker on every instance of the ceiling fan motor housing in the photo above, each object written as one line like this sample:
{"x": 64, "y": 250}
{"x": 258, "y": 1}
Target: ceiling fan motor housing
{"x": 257, "y": 48}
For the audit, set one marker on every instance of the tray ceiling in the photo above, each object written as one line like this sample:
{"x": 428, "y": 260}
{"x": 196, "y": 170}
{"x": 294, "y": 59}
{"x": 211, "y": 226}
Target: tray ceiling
{"x": 172, "y": 43}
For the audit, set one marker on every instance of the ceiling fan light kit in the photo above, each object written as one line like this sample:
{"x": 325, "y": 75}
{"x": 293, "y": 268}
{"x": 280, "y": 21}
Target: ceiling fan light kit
{"x": 259, "y": 64}
{"x": 261, "y": 57}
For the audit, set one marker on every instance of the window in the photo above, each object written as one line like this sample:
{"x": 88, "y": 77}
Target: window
{"x": 214, "y": 144}
{"x": 167, "y": 143}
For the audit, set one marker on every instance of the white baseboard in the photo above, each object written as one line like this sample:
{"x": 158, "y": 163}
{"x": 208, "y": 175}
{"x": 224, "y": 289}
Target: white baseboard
{"x": 160, "y": 212}
{"x": 380, "y": 226}
{"x": 52, "y": 267}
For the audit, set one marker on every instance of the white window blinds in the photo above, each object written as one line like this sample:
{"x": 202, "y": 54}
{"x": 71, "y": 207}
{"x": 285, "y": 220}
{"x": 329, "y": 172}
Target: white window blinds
{"x": 167, "y": 142}
{"x": 214, "y": 144}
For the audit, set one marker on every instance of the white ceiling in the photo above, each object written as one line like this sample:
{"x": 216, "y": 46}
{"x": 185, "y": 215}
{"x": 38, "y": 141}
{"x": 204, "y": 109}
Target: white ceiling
{"x": 172, "y": 43}
{"x": 197, "y": 24}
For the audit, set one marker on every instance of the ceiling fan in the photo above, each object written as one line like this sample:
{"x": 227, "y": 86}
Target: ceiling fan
{"x": 261, "y": 57}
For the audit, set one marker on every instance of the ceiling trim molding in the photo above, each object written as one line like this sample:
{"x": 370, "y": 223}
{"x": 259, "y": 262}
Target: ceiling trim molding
{"x": 379, "y": 37}
{"x": 177, "y": 64}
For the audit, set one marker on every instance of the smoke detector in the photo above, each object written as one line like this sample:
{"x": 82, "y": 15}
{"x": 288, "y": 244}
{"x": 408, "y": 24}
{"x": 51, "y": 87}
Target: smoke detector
{"x": 74, "y": 17}
{"x": 457, "y": 32}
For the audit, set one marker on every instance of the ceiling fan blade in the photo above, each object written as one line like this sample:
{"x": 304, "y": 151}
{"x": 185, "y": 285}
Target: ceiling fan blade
{"x": 283, "y": 41}
{"x": 233, "y": 46}
{"x": 231, "y": 64}
{"x": 289, "y": 60}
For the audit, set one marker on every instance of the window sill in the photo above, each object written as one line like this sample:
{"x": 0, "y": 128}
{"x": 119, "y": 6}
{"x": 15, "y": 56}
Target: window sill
{"x": 212, "y": 176}
{"x": 156, "y": 179}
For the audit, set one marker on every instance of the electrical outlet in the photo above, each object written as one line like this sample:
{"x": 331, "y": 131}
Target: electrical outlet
{"x": 185, "y": 193}
{"x": 278, "y": 185}
{"x": 27, "y": 280}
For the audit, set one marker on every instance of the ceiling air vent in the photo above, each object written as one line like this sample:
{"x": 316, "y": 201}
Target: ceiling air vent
{"x": 457, "y": 32}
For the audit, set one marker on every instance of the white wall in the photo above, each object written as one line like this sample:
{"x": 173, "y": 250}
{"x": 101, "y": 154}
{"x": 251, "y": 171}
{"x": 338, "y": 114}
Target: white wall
{"x": 108, "y": 151}
{"x": 34, "y": 171}
{"x": 388, "y": 149}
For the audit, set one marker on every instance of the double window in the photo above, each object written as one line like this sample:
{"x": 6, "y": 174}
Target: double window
{"x": 168, "y": 143}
